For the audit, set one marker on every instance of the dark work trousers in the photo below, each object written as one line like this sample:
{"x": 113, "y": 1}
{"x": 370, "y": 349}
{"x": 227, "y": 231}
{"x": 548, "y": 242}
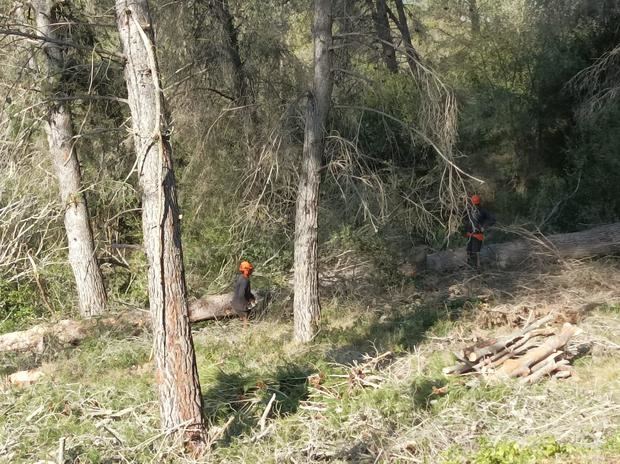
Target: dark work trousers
{"x": 473, "y": 251}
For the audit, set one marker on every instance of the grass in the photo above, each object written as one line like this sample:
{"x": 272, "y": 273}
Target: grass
{"x": 100, "y": 396}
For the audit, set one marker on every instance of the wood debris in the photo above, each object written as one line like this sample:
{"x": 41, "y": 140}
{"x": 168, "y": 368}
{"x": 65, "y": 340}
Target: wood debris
{"x": 530, "y": 354}
{"x": 365, "y": 373}
{"x": 25, "y": 378}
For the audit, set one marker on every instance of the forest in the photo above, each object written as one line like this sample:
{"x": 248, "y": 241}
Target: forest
{"x": 152, "y": 150}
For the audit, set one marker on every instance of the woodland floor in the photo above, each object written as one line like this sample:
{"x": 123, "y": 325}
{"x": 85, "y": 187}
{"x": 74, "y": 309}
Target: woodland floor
{"x": 99, "y": 396}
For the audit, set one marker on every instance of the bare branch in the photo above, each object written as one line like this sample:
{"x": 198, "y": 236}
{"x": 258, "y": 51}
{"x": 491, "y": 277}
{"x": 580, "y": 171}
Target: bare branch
{"x": 45, "y": 39}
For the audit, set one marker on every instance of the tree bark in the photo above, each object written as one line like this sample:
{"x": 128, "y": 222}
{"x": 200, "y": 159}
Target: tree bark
{"x": 221, "y": 11}
{"x": 474, "y": 16}
{"x": 82, "y": 258}
{"x": 412, "y": 55}
{"x": 600, "y": 240}
{"x": 306, "y": 307}
{"x": 382, "y": 26}
{"x": 175, "y": 361}
{"x": 344, "y": 22}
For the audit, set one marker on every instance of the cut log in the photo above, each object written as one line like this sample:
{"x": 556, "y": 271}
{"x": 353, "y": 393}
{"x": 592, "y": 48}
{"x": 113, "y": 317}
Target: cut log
{"x": 504, "y": 342}
{"x": 603, "y": 240}
{"x": 211, "y": 307}
{"x": 562, "y": 374}
{"x": 545, "y": 368}
{"x": 458, "y": 369}
{"x": 67, "y": 332}
{"x": 521, "y": 366}
{"x": 530, "y": 353}
{"x": 551, "y": 359}
{"x": 25, "y": 378}
{"x": 72, "y": 332}
{"x": 520, "y": 346}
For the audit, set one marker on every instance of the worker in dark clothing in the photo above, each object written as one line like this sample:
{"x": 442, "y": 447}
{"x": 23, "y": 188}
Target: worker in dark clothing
{"x": 243, "y": 299}
{"x": 475, "y": 222}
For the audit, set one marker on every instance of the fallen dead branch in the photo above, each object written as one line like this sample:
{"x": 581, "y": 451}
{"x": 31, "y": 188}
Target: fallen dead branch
{"x": 365, "y": 373}
{"x": 531, "y": 353}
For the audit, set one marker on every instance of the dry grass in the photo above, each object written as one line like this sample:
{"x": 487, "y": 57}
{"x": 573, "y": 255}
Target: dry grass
{"x": 369, "y": 389}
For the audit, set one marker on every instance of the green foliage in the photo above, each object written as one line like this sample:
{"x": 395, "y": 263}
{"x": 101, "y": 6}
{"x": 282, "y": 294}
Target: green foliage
{"x": 365, "y": 245}
{"x": 381, "y": 137}
{"x": 129, "y": 285}
{"x": 518, "y": 124}
{"x": 19, "y": 306}
{"x": 613, "y": 308}
{"x": 60, "y": 287}
{"x": 509, "y": 452}
{"x": 612, "y": 444}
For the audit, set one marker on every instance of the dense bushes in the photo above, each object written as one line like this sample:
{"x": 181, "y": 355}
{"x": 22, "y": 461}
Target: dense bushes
{"x": 545, "y": 162}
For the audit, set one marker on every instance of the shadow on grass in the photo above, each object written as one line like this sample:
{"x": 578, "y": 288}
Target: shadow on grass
{"x": 244, "y": 396}
{"x": 401, "y": 330}
{"x": 425, "y": 390}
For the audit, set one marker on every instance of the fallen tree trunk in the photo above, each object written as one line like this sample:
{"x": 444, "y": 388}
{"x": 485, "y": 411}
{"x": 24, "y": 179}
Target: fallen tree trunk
{"x": 72, "y": 332}
{"x": 603, "y": 240}
{"x": 67, "y": 332}
{"x": 211, "y": 307}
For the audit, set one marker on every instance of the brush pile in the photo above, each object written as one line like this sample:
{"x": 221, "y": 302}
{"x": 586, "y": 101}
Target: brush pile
{"x": 536, "y": 351}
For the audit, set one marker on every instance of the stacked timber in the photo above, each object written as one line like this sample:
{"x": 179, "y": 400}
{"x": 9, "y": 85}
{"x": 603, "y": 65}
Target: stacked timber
{"x": 532, "y": 353}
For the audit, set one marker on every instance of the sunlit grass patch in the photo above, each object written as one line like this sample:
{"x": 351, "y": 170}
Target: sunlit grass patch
{"x": 369, "y": 388}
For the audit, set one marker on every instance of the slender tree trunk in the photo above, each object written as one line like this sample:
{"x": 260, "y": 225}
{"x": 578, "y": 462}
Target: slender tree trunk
{"x": 221, "y": 11}
{"x": 180, "y": 399}
{"x": 474, "y": 17}
{"x": 306, "y": 307}
{"x": 412, "y": 55}
{"x": 82, "y": 257}
{"x": 344, "y": 24}
{"x": 382, "y": 26}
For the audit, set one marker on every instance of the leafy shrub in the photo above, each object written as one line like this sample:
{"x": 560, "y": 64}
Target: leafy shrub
{"x": 18, "y": 305}
{"x": 509, "y": 452}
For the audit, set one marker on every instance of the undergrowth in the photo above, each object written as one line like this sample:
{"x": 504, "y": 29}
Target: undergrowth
{"x": 100, "y": 395}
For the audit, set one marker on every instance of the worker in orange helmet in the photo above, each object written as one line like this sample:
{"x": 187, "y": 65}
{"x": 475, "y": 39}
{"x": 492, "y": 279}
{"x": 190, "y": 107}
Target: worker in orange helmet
{"x": 475, "y": 222}
{"x": 243, "y": 299}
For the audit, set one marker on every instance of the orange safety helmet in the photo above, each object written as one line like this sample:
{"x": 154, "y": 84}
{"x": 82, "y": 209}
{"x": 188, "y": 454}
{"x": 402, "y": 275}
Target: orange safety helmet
{"x": 475, "y": 199}
{"x": 246, "y": 267}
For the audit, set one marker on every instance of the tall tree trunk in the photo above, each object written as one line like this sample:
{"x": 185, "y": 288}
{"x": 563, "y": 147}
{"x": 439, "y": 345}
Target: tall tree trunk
{"x": 341, "y": 59}
{"x": 221, "y": 11}
{"x": 412, "y": 55}
{"x": 382, "y": 26}
{"x": 180, "y": 399}
{"x": 82, "y": 257}
{"x": 474, "y": 16}
{"x": 306, "y": 307}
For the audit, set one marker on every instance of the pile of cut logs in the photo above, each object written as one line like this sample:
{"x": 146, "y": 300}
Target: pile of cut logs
{"x": 531, "y": 353}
